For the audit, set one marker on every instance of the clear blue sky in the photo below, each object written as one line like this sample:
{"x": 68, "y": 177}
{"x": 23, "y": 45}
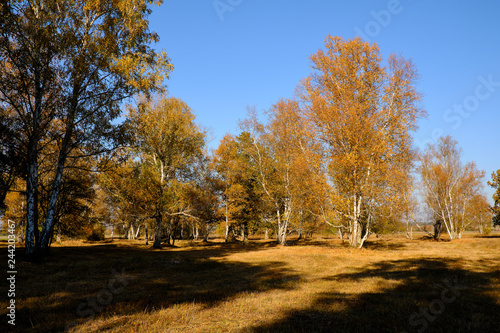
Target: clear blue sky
{"x": 230, "y": 54}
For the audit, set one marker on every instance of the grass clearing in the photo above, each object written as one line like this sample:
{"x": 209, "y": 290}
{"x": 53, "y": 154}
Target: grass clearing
{"x": 317, "y": 285}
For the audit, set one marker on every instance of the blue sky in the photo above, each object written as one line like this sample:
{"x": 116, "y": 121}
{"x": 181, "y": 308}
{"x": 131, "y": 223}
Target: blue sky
{"x": 230, "y": 54}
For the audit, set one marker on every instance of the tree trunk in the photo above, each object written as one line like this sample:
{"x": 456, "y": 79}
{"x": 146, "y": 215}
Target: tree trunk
{"x": 48, "y": 226}
{"x": 207, "y": 231}
{"x": 266, "y": 234}
{"x": 137, "y": 232}
{"x": 146, "y": 236}
{"x": 32, "y": 237}
{"x": 157, "y": 242}
{"x": 355, "y": 236}
{"x": 244, "y": 237}
{"x": 130, "y": 231}
{"x": 437, "y": 229}
{"x": 169, "y": 231}
{"x": 58, "y": 238}
{"x": 367, "y": 232}
{"x": 226, "y": 235}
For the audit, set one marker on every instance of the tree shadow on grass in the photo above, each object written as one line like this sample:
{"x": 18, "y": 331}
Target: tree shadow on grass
{"x": 78, "y": 284}
{"x": 429, "y": 296}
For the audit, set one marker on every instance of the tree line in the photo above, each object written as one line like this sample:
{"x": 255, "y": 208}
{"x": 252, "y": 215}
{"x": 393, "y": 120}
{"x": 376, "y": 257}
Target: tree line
{"x": 340, "y": 153}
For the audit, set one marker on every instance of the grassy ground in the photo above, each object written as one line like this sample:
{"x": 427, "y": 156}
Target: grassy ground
{"x": 318, "y": 285}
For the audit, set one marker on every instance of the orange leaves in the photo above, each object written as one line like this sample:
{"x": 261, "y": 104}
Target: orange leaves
{"x": 451, "y": 189}
{"x": 363, "y": 113}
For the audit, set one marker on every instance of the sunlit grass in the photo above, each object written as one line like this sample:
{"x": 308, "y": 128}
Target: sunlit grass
{"x": 311, "y": 286}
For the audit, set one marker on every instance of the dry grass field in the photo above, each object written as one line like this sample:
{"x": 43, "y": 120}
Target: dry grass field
{"x": 317, "y": 285}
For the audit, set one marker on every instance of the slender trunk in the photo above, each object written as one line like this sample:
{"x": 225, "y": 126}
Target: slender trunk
{"x": 50, "y": 217}
{"x": 169, "y": 231}
{"x": 266, "y": 234}
{"x": 242, "y": 232}
{"x": 159, "y": 220}
{"x": 31, "y": 240}
{"x": 279, "y": 233}
{"x": 367, "y": 232}
{"x": 301, "y": 223}
{"x": 146, "y": 236}
{"x": 137, "y": 232}
{"x": 130, "y": 232}
{"x": 56, "y": 189}
{"x": 207, "y": 231}
{"x": 226, "y": 236}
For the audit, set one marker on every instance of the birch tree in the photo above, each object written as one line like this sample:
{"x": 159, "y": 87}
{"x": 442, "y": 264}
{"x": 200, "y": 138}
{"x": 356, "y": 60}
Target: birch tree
{"x": 364, "y": 114}
{"x": 168, "y": 143}
{"x": 71, "y": 62}
{"x": 289, "y": 166}
{"x": 449, "y": 185}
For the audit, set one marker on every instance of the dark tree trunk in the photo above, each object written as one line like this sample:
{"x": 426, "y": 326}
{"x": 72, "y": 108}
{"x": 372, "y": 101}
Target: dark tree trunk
{"x": 437, "y": 229}
{"x": 31, "y": 239}
{"x": 157, "y": 242}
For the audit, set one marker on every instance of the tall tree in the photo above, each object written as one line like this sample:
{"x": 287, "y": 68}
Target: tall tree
{"x": 449, "y": 185}
{"x": 237, "y": 172}
{"x": 168, "y": 144}
{"x": 364, "y": 114}
{"x": 67, "y": 66}
{"x": 495, "y": 183}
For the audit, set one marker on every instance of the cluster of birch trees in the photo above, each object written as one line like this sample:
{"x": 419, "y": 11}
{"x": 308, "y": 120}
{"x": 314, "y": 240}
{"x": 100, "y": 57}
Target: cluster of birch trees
{"x": 339, "y": 153}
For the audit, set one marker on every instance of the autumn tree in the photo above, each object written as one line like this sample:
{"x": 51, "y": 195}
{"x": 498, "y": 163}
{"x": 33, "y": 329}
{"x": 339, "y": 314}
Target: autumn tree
{"x": 478, "y": 213}
{"x": 241, "y": 194}
{"x": 495, "y": 183}
{"x": 289, "y": 165}
{"x": 364, "y": 114}
{"x": 203, "y": 198}
{"x": 125, "y": 202}
{"x": 449, "y": 185}
{"x": 67, "y": 66}
{"x": 167, "y": 143}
